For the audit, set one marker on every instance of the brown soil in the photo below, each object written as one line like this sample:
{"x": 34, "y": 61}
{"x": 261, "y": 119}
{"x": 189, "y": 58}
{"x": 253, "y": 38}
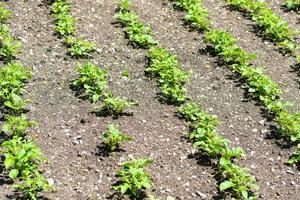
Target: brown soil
{"x": 69, "y": 134}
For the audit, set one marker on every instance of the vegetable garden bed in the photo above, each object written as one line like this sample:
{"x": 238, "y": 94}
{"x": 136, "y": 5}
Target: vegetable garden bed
{"x": 82, "y": 161}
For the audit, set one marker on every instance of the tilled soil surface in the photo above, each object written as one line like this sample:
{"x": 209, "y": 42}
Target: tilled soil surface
{"x": 69, "y": 134}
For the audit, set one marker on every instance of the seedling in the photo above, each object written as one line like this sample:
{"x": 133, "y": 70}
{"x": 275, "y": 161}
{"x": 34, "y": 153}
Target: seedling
{"x": 31, "y": 184}
{"x": 170, "y": 78}
{"x": 79, "y": 48}
{"x": 116, "y": 105}
{"x": 12, "y": 79}
{"x": 60, "y": 6}
{"x": 112, "y": 138}
{"x": 4, "y": 14}
{"x": 16, "y": 126}
{"x": 93, "y": 80}
{"x": 65, "y": 25}
{"x": 295, "y": 158}
{"x": 237, "y": 179}
{"x": 21, "y": 156}
{"x": 133, "y": 179}
{"x": 125, "y": 5}
{"x": 15, "y": 103}
{"x": 9, "y": 47}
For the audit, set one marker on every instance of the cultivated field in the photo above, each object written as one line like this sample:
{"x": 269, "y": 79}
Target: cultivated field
{"x": 157, "y": 99}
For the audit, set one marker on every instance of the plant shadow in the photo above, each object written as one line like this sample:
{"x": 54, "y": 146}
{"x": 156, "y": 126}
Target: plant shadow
{"x": 20, "y": 196}
{"x": 104, "y": 151}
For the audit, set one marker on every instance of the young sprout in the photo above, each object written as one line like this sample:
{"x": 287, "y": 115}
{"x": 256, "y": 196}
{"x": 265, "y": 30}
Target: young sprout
{"x": 112, "y": 138}
{"x": 133, "y": 179}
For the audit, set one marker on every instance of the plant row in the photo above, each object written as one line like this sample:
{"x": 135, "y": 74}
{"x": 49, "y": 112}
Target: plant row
{"x": 204, "y": 135}
{"x": 65, "y": 28}
{"x": 260, "y": 86}
{"x": 233, "y": 178}
{"x": 162, "y": 65}
{"x": 271, "y": 25}
{"x": 23, "y": 158}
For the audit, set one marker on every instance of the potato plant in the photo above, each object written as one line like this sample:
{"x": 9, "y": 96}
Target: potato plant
{"x": 21, "y": 156}
{"x": 133, "y": 179}
{"x": 137, "y": 32}
{"x": 292, "y": 5}
{"x": 4, "y": 14}
{"x": 79, "y": 48}
{"x": 31, "y": 183}
{"x": 9, "y": 46}
{"x": 236, "y": 179}
{"x": 114, "y": 105}
{"x": 92, "y": 80}
{"x": 295, "y": 158}
{"x": 112, "y": 138}
{"x": 17, "y": 125}
{"x": 65, "y": 23}
{"x": 12, "y": 79}
{"x": 170, "y": 78}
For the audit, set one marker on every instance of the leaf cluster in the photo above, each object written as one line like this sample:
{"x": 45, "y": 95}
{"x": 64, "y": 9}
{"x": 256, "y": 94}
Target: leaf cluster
{"x": 292, "y": 5}
{"x": 66, "y": 27}
{"x": 112, "y": 138}
{"x": 79, "y": 48}
{"x": 171, "y": 79}
{"x": 65, "y": 23}
{"x": 237, "y": 179}
{"x": 12, "y": 81}
{"x": 204, "y": 135}
{"x": 133, "y": 179}
{"x": 136, "y": 31}
{"x": 295, "y": 158}
{"x": 9, "y": 46}
{"x": 93, "y": 82}
{"x": 196, "y": 15}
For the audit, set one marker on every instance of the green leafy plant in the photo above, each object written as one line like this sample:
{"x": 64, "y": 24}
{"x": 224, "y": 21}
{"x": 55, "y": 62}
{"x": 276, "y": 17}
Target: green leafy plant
{"x": 289, "y": 125}
{"x": 4, "y": 14}
{"x": 237, "y": 179}
{"x": 170, "y": 78}
{"x": 15, "y": 103}
{"x": 292, "y": 5}
{"x": 295, "y": 158}
{"x": 137, "y": 32}
{"x": 12, "y": 79}
{"x": 116, "y": 105}
{"x": 79, "y": 48}
{"x": 9, "y": 47}
{"x": 65, "y": 24}
{"x": 197, "y": 16}
{"x": 60, "y": 6}
{"x": 112, "y": 138}
{"x": 93, "y": 80}
{"x": 21, "y": 156}
{"x": 32, "y": 182}
{"x": 17, "y": 125}
{"x": 125, "y": 5}
{"x": 133, "y": 179}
